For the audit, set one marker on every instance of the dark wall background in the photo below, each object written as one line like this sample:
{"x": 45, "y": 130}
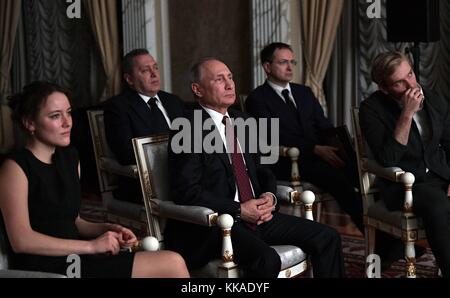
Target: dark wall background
{"x": 201, "y": 28}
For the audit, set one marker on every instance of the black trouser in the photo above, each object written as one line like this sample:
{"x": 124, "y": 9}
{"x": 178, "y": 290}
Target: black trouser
{"x": 431, "y": 203}
{"x": 340, "y": 183}
{"x": 252, "y": 251}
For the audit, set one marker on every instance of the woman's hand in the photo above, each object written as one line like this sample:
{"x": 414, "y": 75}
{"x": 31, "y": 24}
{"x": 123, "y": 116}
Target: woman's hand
{"x": 126, "y": 236}
{"x": 106, "y": 243}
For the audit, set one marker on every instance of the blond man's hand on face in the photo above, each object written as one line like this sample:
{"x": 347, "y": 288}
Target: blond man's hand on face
{"x": 412, "y": 100}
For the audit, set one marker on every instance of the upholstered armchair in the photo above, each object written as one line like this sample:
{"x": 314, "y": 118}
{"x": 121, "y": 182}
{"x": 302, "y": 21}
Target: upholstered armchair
{"x": 108, "y": 171}
{"x": 300, "y": 185}
{"x": 152, "y": 163}
{"x": 401, "y": 224}
{"x": 295, "y": 181}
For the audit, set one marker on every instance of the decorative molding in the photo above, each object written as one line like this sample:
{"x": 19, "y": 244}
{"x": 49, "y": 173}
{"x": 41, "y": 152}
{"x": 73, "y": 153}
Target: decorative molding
{"x": 145, "y": 25}
{"x": 133, "y": 24}
{"x": 271, "y": 21}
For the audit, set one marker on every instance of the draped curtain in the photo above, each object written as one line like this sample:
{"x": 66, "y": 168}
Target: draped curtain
{"x": 104, "y": 22}
{"x": 320, "y": 19}
{"x": 434, "y": 60}
{"x": 9, "y": 19}
{"x": 341, "y": 81}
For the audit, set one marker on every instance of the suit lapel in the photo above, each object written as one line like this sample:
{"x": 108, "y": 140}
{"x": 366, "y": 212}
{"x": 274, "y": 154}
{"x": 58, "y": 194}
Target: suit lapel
{"x": 277, "y": 103}
{"x": 275, "y": 100}
{"x": 167, "y": 104}
{"x": 296, "y": 94}
{"x": 433, "y": 116}
{"x": 222, "y": 156}
{"x": 140, "y": 108}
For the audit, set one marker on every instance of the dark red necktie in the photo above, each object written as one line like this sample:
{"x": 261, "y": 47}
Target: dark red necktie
{"x": 237, "y": 162}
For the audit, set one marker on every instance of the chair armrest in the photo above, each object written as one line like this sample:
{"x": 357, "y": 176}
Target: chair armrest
{"x": 291, "y": 152}
{"x": 205, "y": 217}
{"x": 113, "y": 166}
{"x": 396, "y": 175}
{"x": 286, "y": 194}
{"x": 28, "y": 274}
{"x": 393, "y": 174}
{"x": 191, "y": 214}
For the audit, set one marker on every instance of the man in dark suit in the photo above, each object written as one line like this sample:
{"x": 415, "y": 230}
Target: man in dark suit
{"x": 302, "y": 123}
{"x": 141, "y": 110}
{"x": 408, "y": 126}
{"x": 234, "y": 182}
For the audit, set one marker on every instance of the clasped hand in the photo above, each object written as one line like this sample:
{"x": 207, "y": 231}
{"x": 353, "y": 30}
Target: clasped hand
{"x": 258, "y": 210}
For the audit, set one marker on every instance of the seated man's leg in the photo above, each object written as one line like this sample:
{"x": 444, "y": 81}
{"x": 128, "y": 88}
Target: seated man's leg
{"x": 432, "y": 204}
{"x": 252, "y": 254}
{"x": 320, "y": 241}
{"x": 340, "y": 186}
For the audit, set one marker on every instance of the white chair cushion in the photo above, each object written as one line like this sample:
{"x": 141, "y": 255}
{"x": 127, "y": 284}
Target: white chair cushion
{"x": 289, "y": 255}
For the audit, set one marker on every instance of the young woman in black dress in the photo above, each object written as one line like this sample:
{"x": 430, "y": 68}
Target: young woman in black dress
{"x": 40, "y": 198}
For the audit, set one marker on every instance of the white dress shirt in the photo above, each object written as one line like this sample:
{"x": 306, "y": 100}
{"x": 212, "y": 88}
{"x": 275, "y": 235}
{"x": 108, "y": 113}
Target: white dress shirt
{"x": 159, "y": 105}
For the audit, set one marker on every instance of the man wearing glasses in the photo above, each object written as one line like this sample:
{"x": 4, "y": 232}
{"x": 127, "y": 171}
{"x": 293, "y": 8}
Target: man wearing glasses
{"x": 302, "y": 122}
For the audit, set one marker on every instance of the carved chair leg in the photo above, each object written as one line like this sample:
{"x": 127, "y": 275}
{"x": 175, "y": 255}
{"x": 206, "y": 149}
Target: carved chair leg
{"x": 228, "y": 269}
{"x": 410, "y": 256}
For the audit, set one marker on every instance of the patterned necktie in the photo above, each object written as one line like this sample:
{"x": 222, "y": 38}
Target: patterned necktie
{"x": 157, "y": 116}
{"x": 237, "y": 162}
{"x": 288, "y": 100}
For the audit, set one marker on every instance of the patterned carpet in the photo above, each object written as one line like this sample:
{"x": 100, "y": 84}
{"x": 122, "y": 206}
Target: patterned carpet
{"x": 353, "y": 248}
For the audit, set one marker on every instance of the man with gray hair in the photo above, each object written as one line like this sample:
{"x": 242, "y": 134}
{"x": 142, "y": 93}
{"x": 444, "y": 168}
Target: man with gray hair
{"x": 233, "y": 181}
{"x": 408, "y": 126}
{"x": 141, "y": 109}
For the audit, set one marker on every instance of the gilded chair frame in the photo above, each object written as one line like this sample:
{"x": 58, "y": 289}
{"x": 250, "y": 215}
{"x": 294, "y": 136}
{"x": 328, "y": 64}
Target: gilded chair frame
{"x": 402, "y": 224}
{"x": 108, "y": 171}
{"x": 294, "y": 261}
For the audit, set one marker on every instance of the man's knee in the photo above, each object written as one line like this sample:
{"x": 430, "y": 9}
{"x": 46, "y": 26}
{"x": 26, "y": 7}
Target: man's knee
{"x": 267, "y": 265}
{"x": 329, "y": 239}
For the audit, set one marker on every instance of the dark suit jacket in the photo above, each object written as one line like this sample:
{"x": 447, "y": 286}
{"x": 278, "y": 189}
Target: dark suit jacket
{"x": 207, "y": 179}
{"x": 303, "y": 131}
{"x": 378, "y": 117}
{"x": 127, "y": 116}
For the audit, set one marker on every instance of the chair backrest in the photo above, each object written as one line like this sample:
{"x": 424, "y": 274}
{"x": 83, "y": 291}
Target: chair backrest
{"x": 152, "y": 163}
{"x": 363, "y": 154}
{"x": 107, "y": 181}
